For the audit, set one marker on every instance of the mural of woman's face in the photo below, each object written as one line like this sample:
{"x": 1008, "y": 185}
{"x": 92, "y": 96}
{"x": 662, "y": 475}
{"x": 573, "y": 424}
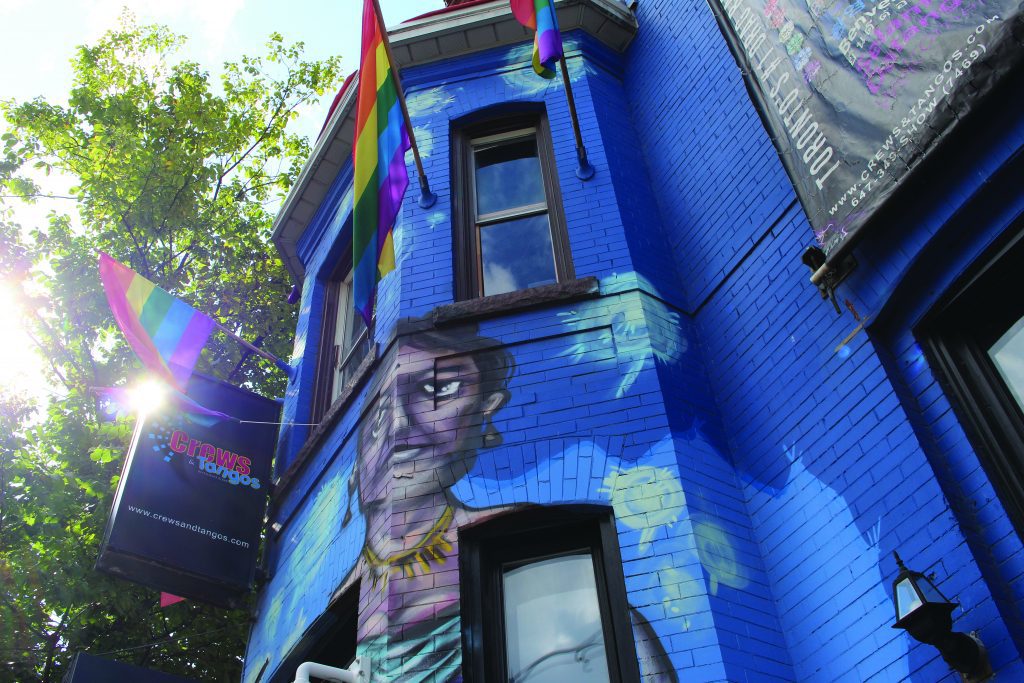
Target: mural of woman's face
{"x": 433, "y": 412}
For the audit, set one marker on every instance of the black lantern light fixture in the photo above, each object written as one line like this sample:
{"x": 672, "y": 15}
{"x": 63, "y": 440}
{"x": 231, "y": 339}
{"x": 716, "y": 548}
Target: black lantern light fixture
{"x": 925, "y": 613}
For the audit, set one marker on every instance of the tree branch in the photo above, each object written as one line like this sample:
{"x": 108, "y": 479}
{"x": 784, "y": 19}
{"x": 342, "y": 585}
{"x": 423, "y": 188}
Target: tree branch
{"x": 53, "y": 641}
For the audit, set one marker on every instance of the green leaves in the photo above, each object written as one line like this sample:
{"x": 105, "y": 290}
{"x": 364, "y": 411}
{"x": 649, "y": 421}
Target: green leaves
{"x": 171, "y": 172}
{"x": 103, "y": 455}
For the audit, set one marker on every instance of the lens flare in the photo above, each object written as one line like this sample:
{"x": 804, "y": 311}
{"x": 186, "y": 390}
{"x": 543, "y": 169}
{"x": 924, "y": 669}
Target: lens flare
{"x": 21, "y": 368}
{"x": 147, "y": 397}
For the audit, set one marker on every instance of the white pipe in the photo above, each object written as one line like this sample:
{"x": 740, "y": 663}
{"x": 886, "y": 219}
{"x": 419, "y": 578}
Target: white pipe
{"x": 354, "y": 674}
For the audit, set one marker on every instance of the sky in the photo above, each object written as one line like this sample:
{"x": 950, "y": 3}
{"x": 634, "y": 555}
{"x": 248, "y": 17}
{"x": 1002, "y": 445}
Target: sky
{"x": 218, "y": 31}
{"x": 38, "y": 40}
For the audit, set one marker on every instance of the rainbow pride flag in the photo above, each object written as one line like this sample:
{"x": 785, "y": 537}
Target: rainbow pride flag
{"x": 166, "y": 333}
{"x": 539, "y": 15}
{"x": 380, "y": 173}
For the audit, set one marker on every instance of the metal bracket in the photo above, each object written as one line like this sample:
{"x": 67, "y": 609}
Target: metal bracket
{"x": 984, "y": 672}
{"x": 827, "y": 276}
{"x": 361, "y": 668}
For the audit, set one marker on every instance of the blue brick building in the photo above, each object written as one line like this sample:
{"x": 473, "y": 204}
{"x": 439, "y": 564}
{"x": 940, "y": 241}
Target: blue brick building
{"x": 655, "y": 453}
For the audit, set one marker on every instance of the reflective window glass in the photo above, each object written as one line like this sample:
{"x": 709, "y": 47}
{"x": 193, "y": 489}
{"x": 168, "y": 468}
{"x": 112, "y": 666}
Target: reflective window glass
{"x": 508, "y": 176}
{"x": 509, "y": 232}
{"x": 1008, "y": 356}
{"x": 516, "y": 254}
{"x": 351, "y": 340}
{"x": 553, "y": 626}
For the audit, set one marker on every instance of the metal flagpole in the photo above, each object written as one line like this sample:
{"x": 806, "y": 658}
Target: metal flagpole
{"x": 278, "y": 363}
{"x": 585, "y": 171}
{"x": 427, "y": 198}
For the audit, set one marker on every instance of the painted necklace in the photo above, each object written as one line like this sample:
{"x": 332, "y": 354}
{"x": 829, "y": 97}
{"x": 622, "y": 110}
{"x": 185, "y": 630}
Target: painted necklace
{"x": 433, "y": 548}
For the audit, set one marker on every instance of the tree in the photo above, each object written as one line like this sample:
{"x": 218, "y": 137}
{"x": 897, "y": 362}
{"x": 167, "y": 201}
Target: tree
{"x": 177, "y": 178}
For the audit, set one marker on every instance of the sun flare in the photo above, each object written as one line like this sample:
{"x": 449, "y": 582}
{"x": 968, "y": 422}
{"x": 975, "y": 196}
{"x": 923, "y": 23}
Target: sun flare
{"x": 147, "y": 397}
{"x": 21, "y": 368}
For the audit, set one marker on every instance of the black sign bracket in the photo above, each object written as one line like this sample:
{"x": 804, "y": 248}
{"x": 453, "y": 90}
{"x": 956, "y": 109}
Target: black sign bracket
{"x": 826, "y": 275}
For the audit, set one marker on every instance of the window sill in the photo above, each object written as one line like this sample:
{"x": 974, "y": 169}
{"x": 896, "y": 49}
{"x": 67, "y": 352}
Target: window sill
{"x": 329, "y": 420}
{"x": 510, "y": 302}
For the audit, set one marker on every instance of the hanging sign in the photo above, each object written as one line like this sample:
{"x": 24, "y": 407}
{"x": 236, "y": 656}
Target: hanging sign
{"x": 189, "y": 507}
{"x": 857, "y": 93}
{"x": 89, "y": 669}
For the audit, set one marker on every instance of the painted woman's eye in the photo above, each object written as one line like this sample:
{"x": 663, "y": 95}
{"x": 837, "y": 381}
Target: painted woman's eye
{"x": 449, "y": 389}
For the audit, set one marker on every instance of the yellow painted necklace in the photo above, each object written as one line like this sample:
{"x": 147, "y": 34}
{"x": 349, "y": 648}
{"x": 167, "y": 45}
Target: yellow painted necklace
{"x": 432, "y": 549}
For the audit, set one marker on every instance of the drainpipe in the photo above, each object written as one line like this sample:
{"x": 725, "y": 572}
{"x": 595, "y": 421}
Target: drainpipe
{"x": 359, "y": 672}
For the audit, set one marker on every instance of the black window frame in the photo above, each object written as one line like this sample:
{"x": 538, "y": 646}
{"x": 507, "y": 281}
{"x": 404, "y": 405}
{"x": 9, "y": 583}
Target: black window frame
{"x": 956, "y": 336}
{"x": 331, "y": 639}
{"x": 535, "y": 534}
{"x": 466, "y": 242}
{"x": 325, "y": 394}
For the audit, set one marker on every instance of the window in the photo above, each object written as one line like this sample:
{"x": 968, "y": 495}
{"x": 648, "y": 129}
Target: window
{"x": 330, "y": 639}
{"x": 543, "y": 599}
{"x": 509, "y": 230}
{"x": 344, "y": 344}
{"x": 975, "y": 339}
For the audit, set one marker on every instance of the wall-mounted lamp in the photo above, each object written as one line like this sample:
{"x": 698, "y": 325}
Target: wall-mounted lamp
{"x": 925, "y": 613}
{"x": 827, "y": 276}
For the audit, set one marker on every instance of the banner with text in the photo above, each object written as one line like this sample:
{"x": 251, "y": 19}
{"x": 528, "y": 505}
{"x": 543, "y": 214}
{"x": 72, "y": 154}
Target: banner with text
{"x": 189, "y": 507}
{"x": 857, "y": 93}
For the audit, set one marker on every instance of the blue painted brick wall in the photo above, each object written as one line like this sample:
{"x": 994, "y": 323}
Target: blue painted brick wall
{"x": 955, "y": 235}
{"x": 709, "y": 361}
{"x": 815, "y": 435}
{"x": 717, "y": 178}
{"x": 611, "y": 410}
{"x": 834, "y": 476}
{"x": 631, "y": 188}
{"x": 743, "y": 607}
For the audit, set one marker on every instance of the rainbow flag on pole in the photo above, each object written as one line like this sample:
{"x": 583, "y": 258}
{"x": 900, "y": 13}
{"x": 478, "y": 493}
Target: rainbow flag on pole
{"x": 379, "y": 159}
{"x": 539, "y": 15}
{"x": 166, "y": 333}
